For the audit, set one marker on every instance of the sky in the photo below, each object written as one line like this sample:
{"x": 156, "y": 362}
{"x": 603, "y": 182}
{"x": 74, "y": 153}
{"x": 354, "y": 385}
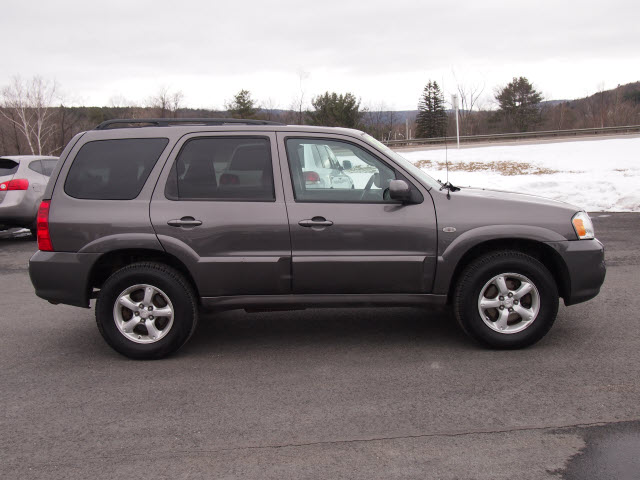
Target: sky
{"x": 384, "y": 52}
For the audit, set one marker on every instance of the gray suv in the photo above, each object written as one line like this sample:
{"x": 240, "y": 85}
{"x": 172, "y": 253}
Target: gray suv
{"x": 159, "y": 219}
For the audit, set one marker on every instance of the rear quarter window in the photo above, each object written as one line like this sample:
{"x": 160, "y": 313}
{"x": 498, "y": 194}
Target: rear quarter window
{"x": 113, "y": 169}
{"x": 36, "y": 166}
{"x": 48, "y": 166}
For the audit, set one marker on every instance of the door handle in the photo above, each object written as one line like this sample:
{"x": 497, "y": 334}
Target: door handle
{"x": 316, "y": 222}
{"x": 185, "y": 222}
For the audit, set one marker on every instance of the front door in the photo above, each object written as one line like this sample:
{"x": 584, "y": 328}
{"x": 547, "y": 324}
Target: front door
{"x": 220, "y": 209}
{"x": 347, "y": 237}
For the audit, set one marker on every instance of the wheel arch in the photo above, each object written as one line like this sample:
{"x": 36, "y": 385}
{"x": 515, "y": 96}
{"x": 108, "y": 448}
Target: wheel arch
{"x": 112, "y": 261}
{"x": 542, "y": 252}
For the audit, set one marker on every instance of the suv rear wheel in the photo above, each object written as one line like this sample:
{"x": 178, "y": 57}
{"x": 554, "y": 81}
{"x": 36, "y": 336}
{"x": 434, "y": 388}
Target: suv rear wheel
{"x": 506, "y": 299}
{"x": 146, "y": 310}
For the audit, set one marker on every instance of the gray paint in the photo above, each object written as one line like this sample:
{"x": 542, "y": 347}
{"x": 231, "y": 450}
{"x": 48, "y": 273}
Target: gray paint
{"x": 249, "y": 251}
{"x": 240, "y": 248}
{"x": 585, "y": 264}
{"x": 62, "y": 277}
{"x": 370, "y": 248}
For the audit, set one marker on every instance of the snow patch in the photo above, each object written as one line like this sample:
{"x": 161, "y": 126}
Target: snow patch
{"x": 597, "y": 175}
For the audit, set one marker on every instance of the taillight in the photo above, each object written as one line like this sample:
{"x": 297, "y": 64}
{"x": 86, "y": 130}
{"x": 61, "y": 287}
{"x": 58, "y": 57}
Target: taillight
{"x": 18, "y": 184}
{"x": 42, "y": 222}
{"x": 311, "y": 177}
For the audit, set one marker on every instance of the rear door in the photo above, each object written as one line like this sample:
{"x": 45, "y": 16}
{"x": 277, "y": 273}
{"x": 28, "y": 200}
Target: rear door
{"x": 219, "y": 207}
{"x": 354, "y": 240}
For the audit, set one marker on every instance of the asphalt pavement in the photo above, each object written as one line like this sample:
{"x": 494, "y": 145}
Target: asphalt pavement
{"x": 385, "y": 393}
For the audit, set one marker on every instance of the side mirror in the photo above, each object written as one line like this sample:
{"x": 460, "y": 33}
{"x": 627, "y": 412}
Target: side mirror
{"x": 346, "y": 164}
{"x": 399, "y": 190}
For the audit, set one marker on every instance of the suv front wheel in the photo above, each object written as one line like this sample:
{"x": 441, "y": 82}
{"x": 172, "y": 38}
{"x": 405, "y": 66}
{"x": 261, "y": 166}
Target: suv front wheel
{"x": 146, "y": 310}
{"x": 506, "y": 299}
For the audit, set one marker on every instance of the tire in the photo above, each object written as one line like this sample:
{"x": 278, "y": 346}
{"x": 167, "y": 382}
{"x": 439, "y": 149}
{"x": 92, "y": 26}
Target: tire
{"x": 34, "y": 233}
{"x": 511, "y": 318}
{"x": 135, "y": 332}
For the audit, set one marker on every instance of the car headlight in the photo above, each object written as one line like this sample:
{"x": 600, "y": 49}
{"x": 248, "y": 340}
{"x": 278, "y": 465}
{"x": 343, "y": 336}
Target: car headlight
{"x": 582, "y": 225}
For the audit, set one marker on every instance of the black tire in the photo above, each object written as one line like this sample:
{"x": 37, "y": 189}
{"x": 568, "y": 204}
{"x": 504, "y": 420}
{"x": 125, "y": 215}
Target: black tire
{"x": 173, "y": 284}
{"x": 34, "y": 233}
{"x": 482, "y": 270}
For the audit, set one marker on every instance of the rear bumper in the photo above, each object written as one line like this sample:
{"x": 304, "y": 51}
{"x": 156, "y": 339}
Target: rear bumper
{"x": 584, "y": 260}
{"x": 62, "y": 277}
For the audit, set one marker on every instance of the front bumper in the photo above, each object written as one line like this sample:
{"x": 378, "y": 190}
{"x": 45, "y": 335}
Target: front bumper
{"x": 585, "y": 266}
{"x": 62, "y": 277}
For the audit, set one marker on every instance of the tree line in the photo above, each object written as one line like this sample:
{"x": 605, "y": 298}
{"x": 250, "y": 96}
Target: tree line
{"x": 34, "y": 118}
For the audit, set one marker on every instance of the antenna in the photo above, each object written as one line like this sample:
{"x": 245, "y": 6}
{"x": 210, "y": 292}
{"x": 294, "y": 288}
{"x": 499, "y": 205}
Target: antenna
{"x": 446, "y": 155}
{"x": 446, "y": 161}
{"x": 450, "y": 188}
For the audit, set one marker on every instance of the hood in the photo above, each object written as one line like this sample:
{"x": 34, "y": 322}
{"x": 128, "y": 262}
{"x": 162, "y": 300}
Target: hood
{"x": 471, "y": 208}
{"x": 505, "y": 196}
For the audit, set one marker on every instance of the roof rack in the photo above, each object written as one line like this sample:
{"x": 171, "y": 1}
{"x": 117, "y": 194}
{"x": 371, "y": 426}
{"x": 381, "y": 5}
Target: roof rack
{"x": 166, "y": 122}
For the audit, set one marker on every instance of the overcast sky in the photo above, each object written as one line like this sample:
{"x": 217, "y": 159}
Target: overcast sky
{"x": 382, "y": 51}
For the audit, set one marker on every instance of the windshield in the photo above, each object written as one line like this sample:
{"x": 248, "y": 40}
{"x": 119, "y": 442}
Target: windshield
{"x": 403, "y": 162}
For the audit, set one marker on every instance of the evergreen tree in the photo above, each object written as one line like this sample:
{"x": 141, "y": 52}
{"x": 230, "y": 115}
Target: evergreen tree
{"x": 432, "y": 117}
{"x": 333, "y": 110}
{"x": 242, "y": 105}
{"x": 520, "y": 104}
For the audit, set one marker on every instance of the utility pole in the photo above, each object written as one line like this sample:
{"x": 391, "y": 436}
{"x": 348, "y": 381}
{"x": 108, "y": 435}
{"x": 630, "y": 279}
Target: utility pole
{"x": 456, "y": 106}
{"x": 406, "y": 124}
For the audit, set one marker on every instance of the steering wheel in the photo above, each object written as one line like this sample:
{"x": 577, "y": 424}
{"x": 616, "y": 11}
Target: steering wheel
{"x": 367, "y": 187}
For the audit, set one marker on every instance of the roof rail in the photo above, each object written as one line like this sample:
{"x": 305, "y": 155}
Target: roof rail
{"x": 166, "y": 122}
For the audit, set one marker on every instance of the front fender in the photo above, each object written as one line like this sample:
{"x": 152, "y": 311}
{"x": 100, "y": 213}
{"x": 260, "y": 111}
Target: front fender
{"x": 449, "y": 258}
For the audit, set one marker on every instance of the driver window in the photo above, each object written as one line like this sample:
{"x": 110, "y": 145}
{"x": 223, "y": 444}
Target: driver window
{"x": 335, "y": 171}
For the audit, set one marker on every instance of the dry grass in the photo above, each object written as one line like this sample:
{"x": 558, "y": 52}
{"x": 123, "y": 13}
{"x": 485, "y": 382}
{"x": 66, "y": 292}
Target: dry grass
{"x": 502, "y": 167}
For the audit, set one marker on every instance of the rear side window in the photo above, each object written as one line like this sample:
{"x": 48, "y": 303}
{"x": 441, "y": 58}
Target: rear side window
{"x": 36, "y": 166}
{"x": 48, "y": 166}
{"x": 113, "y": 169}
{"x": 7, "y": 167}
{"x": 237, "y": 168}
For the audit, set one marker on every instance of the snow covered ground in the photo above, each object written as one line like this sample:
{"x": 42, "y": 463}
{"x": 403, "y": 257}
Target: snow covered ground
{"x": 597, "y": 175}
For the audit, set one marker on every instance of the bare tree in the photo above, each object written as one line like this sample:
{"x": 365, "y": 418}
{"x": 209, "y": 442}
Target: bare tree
{"x": 120, "y": 101}
{"x": 69, "y": 122}
{"x": 298, "y": 102}
{"x": 469, "y": 95}
{"x": 375, "y": 120}
{"x": 167, "y": 102}
{"x": 27, "y": 105}
{"x": 268, "y": 109}
{"x": 559, "y": 115}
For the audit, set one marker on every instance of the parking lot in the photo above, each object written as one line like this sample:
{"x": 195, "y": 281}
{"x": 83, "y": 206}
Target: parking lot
{"x": 339, "y": 393}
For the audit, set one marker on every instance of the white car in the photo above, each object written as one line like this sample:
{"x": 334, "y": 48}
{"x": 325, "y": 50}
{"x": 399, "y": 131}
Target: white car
{"x": 322, "y": 169}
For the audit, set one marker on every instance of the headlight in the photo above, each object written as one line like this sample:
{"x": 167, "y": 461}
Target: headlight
{"x": 582, "y": 225}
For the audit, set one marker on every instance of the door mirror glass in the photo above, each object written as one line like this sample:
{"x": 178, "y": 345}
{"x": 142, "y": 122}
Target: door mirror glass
{"x": 346, "y": 164}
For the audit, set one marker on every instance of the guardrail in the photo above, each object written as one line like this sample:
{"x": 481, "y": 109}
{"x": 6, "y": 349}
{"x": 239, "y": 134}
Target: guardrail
{"x": 518, "y": 136}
